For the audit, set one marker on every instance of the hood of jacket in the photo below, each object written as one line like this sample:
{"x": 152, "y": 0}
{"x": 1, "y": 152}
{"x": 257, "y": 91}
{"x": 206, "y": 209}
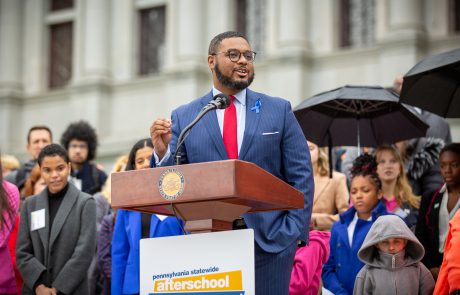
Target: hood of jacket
{"x": 385, "y": 227}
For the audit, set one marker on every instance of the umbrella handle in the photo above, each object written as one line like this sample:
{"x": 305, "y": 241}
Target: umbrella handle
{"x": 357, "y": 132}
{"x": 329, "y": 142}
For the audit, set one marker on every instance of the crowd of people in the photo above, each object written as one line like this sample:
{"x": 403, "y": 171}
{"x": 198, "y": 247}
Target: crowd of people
{"x": 387, "y": 223}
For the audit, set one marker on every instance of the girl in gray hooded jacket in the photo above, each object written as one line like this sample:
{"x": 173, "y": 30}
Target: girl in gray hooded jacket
{"x": 392, "y": 256}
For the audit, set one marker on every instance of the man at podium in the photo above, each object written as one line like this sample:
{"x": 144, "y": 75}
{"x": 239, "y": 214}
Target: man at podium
{"x": 256, "y": 128}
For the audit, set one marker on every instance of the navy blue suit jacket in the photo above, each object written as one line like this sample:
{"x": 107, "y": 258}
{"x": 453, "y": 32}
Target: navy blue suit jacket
{"x": 274, "y": 141}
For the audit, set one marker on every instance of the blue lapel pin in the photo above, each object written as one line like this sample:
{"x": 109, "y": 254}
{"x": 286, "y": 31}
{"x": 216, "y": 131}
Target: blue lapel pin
{"x": 256, "y": 107}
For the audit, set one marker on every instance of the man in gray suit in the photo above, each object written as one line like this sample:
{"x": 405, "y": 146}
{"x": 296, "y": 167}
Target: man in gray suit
{"x": 57, "y": 233}
{"x": 256, "y": 128}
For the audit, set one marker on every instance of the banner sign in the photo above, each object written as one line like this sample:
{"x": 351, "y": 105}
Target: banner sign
{"x": 219, "y": 263}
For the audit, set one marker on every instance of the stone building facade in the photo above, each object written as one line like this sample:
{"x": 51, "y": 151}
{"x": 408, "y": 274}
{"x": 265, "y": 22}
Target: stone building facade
{"x": 119, "y": 64}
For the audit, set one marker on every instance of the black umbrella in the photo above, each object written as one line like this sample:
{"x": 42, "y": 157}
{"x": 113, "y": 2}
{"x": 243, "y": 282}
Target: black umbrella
{"x": 357, "y": 116}
{"x": 434, "y": 84}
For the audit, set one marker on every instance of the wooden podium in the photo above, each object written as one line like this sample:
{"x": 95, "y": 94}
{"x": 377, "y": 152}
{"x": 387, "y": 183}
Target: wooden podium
{"x": 210, "y": 195}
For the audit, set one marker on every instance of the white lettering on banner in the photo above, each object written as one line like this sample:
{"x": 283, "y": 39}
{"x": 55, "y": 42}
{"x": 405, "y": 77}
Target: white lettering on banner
{"x": 204, "y": 283}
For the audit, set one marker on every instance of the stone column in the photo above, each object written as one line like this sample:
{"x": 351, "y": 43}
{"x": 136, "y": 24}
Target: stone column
{"x": 10, "y": 74}
{"x": 400, "y": 35}
{"x": 122, "y": 40}
{"x": 189, "y": 38}
{"x": 10, "y": 45}
{"x": 287, "y": 49}
{"x": 93, "y": 31}
{"x": 90, "y": 90}
{"x": 289, "y": 30}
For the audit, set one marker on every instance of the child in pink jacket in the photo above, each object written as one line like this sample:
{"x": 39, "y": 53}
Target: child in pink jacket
{"x": 308, "y": 264}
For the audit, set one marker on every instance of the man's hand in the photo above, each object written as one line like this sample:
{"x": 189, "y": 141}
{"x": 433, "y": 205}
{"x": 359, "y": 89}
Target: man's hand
{"x": 43, "y": 290}
{"x": 160, "y": 132}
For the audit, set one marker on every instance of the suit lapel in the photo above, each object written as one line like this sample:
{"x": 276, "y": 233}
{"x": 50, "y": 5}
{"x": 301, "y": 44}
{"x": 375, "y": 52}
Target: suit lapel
{"x": 67, "y": 203}
{"x": 252, "y": 122}
{"x": 212, "y": 126}
{"x": 42, "y": 202}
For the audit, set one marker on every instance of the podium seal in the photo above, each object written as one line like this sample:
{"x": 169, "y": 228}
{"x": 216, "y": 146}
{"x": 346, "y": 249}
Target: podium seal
{"x": 171, "y": 184}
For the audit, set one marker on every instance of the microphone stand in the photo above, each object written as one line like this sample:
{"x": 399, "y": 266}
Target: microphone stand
{"x": 185, "y": 132}
{"x": 219, "y": 101}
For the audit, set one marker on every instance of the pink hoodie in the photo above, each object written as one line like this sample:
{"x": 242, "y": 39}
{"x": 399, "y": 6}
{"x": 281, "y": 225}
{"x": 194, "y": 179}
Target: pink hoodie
{"x": 308, "y": 264}
{"x": 7, "y": 278}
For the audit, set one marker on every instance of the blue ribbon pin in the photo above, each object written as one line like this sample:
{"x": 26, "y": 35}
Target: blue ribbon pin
{"x": 256, "y": 107}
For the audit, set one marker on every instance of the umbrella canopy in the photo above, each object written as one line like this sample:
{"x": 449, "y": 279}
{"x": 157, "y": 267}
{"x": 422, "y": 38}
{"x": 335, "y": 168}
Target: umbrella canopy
{"x": 434, "y": 84}
{"x": 357, "y": 116}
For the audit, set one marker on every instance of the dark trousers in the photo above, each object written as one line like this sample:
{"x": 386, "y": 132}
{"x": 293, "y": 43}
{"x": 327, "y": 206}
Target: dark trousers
{"x": 273, "y": 270}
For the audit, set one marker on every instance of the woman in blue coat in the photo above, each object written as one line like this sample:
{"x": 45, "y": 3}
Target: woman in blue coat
{"x": 131, "y": 227}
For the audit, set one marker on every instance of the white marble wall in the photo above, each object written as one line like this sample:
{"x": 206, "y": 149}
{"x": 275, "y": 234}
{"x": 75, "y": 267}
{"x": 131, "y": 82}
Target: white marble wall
{"x": 301, "y": 58}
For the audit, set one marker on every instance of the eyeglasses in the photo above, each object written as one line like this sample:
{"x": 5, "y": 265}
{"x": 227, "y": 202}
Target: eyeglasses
{"x": 78, "y": 146}
{"x": 234, "y": 55}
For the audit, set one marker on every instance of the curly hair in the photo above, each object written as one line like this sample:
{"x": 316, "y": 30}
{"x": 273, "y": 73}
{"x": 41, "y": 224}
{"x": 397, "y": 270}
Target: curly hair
{"x": 81, "y": 130}
{"x": 403, "y": 190}
{"x": 453, "y": 147}
{"x": 365, "y": 165}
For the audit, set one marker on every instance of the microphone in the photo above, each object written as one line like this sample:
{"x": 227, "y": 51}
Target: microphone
{"x": 219, "y": 101}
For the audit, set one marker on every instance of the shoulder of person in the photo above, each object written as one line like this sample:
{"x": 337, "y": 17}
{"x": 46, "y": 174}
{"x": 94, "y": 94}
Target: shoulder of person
{"x": 85, "y": 197}
{"x": 30, "y": 202}
{"x": 11, "y": 177}
{"x": 82, "y": 197}
{"x": 10, "y": 188}
{"x": 363, "y": 272}
{"x": 338, "y": 176}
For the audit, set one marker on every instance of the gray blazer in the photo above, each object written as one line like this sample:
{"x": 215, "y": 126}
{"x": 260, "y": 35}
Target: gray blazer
{"x": 65, "y": 254}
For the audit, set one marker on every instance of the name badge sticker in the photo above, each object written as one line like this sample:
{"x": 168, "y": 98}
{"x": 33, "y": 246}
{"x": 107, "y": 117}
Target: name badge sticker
{"x": 37, "y": 219}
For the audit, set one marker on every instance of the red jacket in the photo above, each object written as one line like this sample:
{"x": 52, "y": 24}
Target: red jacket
{"x": 12, "y": 248}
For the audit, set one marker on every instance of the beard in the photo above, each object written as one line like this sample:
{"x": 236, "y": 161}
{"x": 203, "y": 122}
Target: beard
{"x": 231, "y": 83}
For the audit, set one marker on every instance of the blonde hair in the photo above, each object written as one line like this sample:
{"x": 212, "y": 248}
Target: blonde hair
{"x": 119, "y": 165}
{"x": 323, "y": 161}
{"x": 10, "y": 162}
{"x": 403, "y": 190}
